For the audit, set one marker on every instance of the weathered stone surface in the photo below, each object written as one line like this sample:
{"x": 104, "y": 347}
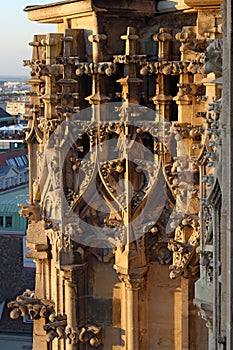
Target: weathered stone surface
{"x": 104, "y": 252}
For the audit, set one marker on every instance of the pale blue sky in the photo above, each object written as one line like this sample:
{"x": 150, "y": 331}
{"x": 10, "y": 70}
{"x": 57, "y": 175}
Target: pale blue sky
{"x": 16, "y": 31}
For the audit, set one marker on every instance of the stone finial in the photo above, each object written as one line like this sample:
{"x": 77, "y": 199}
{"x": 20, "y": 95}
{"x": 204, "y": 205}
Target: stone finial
{"x": 67, "y": 43}
{"x": 97, "y": 40}
{"x": 131, "y": 41}
{"x": 164, "y": 38}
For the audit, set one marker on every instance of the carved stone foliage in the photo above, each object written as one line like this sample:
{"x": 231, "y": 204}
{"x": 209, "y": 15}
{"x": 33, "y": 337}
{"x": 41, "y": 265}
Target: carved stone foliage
{"x": 49, "y": 125}
{"x": 184, "y": 245}
{"x": 172, "y": 67}
{"x": 108, "y": 68}
{"x": 31, "y": 212}
{"x": 110, "y": 175}
{"x": 105, "y": 206}
{"x": 207, "y": 224}
{"x": 187, "y": 130}
{"x": 213, "y": 57}
{"x": 57, "y": 328}
{"x": 91, "y": 334}
{"x": 62, "y": 70}
{"x": 210, "y": 203}
{"x": 27, "y": 305}
{"x": 210, "y": 156}
{"x": 120, "y": 183}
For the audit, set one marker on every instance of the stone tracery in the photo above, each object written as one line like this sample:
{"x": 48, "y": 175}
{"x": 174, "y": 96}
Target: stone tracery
{"x": 172, "y": 147}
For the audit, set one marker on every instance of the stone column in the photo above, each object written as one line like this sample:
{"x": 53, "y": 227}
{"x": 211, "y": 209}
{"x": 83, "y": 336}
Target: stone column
{"x": 132, "y": 312}
{"x": 188, "y": 312}
{"x": 130, "y": 308}
{"x": 39, "y": 340}
{"x": 71, "y": 303}
{"x": 185, "y": 313}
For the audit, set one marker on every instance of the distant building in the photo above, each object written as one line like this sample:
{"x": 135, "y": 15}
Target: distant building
{"x": 5, "y": 117}
{"x": 17, "y": 108}
{"x": 13, "y": 169}
{"x": 14, "y": 92}
{"x": 16, "y": 273}
{"x": 10, "y": 220}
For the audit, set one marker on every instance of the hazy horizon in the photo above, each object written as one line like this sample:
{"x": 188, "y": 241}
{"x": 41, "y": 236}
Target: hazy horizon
{"x": 14, "y": 75}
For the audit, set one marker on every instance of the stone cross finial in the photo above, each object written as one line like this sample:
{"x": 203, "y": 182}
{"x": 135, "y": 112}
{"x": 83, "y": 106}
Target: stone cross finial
{"x": 131, "y": 41}
{"x": 130, "y": 84}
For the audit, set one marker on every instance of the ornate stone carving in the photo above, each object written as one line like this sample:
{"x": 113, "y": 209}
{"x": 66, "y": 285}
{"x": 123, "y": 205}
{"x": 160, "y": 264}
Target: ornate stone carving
{"x": 31, "y": 212}
{"x": 108, "y": 68}
{"x": 172, "y": 67}
{"x": 57, "y": 328}
{"x": 91, "y": 335}
{"x": 164, "y": 38}
{"x": 213, "y": 57}
{"x": 27, "y": 305}
{"x": 187, "y": 130}
{"x": 184, "y": 244}
{"x": 126, "y": 59}
{"x": 111, "y": 221}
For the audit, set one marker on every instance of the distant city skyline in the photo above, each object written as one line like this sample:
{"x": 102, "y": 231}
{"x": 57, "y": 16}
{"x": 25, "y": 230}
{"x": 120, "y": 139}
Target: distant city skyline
{"x": 16, "y": 32}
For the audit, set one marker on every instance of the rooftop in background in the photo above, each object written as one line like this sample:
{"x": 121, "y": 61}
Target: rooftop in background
{"x": 8, "y": 155}
{"x": 18, "y": 107}
{"x": 5, "y": 116}
{"x": 14, "y": 197}
{"x": 14, "y": 91}
{"x": 10, "y": 220}
{"x": 14, "y": 172}
{"x": 14, "y": 266}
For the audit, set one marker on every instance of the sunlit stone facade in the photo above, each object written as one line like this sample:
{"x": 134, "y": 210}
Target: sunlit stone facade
{"x": 129, "y": 144}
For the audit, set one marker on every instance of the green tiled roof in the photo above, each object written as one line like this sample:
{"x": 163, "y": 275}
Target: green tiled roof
{"x": 9, "y": 201}
{"x": 9, "y": 207}
{"x": 6, "y": 119}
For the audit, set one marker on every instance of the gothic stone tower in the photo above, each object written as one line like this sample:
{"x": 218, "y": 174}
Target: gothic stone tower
{"x": 122, "y": 139}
